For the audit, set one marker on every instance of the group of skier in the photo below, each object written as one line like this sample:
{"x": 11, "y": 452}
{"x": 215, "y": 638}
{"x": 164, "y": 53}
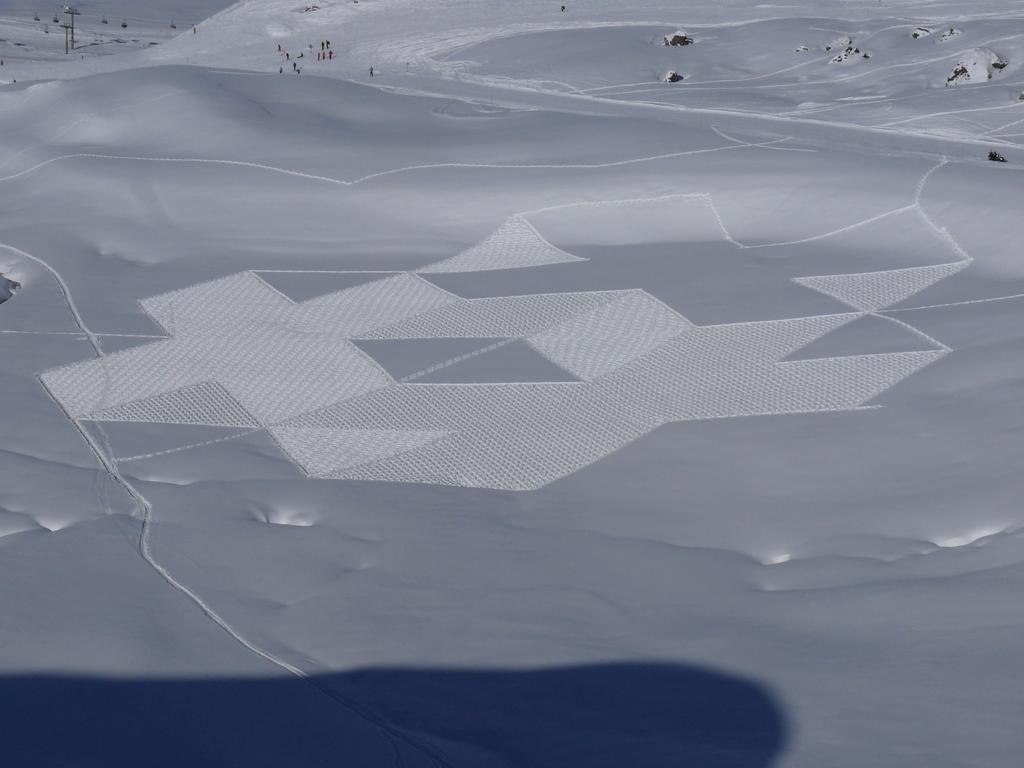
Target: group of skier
{"x": 326, "y": 53}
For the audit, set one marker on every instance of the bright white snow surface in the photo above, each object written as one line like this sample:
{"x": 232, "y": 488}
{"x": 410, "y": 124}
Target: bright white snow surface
{"x": 512, "y": 407}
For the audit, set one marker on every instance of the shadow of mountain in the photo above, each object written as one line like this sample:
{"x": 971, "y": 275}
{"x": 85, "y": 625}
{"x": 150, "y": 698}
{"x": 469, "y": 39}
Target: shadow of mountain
{"x": 601, "y": 716}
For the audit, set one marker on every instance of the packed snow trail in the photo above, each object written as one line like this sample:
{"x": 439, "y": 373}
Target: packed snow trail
{"x": 406, "y": 169}
{"x": 145, "y": 508}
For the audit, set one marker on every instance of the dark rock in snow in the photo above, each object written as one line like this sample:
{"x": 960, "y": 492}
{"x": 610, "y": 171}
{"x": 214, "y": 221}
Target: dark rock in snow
{"x": 678, "y": 38}
{"x": 959, "y": 72}
{"x": 8, "y": 288}
{"x": 995, "y": 157}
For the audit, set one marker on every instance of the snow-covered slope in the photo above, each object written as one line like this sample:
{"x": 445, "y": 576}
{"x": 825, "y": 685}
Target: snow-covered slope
{"x": 512, "y": 407}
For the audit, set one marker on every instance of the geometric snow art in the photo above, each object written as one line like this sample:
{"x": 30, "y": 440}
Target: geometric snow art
{"x": 871, "y": 291}
{"x": 240, "y": 353}
{"x": 206, "y": 403}
{"x": 514, "y": 244}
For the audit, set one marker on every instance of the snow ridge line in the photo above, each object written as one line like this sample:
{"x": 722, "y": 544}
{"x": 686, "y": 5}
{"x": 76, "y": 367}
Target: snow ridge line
{"x": 392, "y": 171}
{"x": 65, "y": 291}
{"x": 856, "y": 225}
{"x": 145, "y": 550}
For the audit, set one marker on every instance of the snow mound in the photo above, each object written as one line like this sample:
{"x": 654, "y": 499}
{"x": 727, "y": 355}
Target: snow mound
{"x": 920, "y": 32}
{"x": 672, "y": 76}
{"x": 976, "y": 66}
{"x": 949, "y": 34}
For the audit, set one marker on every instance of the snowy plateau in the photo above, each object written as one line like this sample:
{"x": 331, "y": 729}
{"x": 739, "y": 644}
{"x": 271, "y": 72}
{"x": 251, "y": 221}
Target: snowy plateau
{"x": 510, "y": 384}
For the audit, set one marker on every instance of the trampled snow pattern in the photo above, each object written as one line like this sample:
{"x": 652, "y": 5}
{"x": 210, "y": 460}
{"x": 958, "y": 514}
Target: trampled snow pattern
{"x": 871, "y": 291}
{"x": 238, "y": 347}
{"x": 609, "y": 336}
{"x": 515, "y": 244}
{"x": 204, "y": 403}
{"x": 213, "y": 509}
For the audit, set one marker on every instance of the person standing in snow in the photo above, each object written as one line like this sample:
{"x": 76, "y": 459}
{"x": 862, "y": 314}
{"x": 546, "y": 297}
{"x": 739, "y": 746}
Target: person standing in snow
{"x": 371, "y": 70}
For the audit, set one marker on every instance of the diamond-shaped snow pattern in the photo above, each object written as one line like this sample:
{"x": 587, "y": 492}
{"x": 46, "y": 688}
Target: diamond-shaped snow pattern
{"x": 611, "y": 335}
{"x": 502, "y": 361}
{"x": 275, "y": 357}
{"x": 320, "y": 450}
{"x": 871, "y": 291}
{"x": 303, "y": 286}
{"x": 499, "y": 317}
{"x": 243, "y": 354}
{"x": 515, "y": 244}
{"x": 205, "y": 403}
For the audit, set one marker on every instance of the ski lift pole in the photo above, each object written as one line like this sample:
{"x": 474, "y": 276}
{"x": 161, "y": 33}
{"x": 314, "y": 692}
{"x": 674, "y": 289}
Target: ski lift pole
{"x": 72, "y": 12}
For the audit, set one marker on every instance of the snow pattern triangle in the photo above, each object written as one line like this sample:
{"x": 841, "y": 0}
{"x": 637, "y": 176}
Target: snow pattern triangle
{"x": 205, "y": 403}
{"x": 871, "y": 291}
{"x": 865, "y": 335}
{"x": 515, "y": 361}
{"x": 406, "y": 357}
{"x": 513, "y": 245}
{"x": 302, "y": 286}
{"x": 322, "y": 450}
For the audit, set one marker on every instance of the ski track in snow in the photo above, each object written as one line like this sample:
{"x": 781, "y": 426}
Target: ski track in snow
{"x": 110, "y": 465}
{"x": 393, "y": 171}
{"x": 145, "y": 509}
{"x": 139, "y": 457}
{"x": 708, "y": 199}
